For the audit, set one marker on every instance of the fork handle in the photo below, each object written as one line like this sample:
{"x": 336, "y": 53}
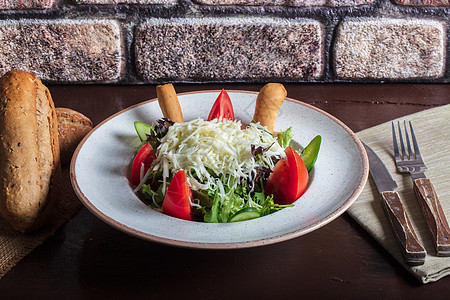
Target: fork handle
{"x": 432, "y": 210}
{"x": 412, "y": 250}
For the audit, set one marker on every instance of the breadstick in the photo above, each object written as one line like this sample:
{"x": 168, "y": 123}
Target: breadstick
{"x": 168, "y": 101}
{"x": 268, "y": 103}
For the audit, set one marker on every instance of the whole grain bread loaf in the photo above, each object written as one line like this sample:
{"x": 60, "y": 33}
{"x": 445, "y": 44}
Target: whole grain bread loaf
{"x": 72, "y": 127}
{"x": 30, "y": 169}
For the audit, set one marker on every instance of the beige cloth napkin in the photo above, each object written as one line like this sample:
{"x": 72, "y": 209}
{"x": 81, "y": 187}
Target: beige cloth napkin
{"x": 433, "y": 134}
{"x": 15, "y": 245}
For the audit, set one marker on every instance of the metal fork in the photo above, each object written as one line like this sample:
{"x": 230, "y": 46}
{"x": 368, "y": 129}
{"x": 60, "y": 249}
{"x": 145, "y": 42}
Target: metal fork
{"x": 409, "y": 161}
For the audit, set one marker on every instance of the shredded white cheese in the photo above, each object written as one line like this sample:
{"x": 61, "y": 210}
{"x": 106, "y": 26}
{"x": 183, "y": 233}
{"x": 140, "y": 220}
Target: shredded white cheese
{"x": 221, "y": 146}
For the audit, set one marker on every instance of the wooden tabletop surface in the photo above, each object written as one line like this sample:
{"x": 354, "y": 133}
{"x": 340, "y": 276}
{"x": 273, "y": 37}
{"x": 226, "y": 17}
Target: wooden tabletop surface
{"x": 87, "y": 258}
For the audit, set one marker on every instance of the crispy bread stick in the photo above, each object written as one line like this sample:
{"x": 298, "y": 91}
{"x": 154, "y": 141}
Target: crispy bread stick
{"x": 168, "y": 101}
{"x": 268, "y": 103}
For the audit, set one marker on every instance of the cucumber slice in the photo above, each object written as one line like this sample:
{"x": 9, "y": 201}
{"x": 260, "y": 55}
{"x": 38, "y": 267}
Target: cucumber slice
{"x": 142, "y": 130}
{"x": 244, "y": 214}
{"x": 310, "y": 153}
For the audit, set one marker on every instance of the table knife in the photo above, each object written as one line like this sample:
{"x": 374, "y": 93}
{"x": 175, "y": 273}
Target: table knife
{"x": 412, "y": 250}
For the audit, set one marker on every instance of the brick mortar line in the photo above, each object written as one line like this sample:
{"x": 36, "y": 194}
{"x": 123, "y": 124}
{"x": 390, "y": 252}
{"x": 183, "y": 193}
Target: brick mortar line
{"x": 447, "y": 48}
{"x": 182, "y": 8}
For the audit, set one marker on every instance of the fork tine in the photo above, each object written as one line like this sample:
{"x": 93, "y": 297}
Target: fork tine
{"x": 402, "y": 146}
{"x": 394, "y": 138}
{"x": 408, "y": 143}
{"x": 416, "y": 146}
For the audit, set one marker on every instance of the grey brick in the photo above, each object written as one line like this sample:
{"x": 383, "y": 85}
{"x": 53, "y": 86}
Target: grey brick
{"x": 70, "y": 51}
{"x": 112, "y": 2}
{"x": 294, "y": 3}
{"x": 26, "y": 4}
{"x": 229, "y": 49}
{"x": 348, "y": 3}
{"x": 423, "y": 3}
{"x": 390, "y": 49}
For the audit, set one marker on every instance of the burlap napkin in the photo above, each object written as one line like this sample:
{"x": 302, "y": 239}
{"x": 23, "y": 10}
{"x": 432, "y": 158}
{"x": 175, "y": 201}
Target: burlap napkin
{"x": 15, "y": 245}
{"x": 433, "y": 134}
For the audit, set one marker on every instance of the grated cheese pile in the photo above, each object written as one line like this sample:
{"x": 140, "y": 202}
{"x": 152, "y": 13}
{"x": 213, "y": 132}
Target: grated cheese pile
{"x": 221, "y": 146}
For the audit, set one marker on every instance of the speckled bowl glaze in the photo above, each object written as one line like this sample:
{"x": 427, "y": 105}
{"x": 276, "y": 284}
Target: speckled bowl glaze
{"x": 101, "y": 164}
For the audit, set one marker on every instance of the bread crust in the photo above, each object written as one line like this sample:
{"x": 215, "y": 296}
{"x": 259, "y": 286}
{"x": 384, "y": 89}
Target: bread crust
{"x": 268, "y": 102}
{"x": 30, "y": 166}
{"x": 72, "y": 127}
{"x": 168, "y": 102}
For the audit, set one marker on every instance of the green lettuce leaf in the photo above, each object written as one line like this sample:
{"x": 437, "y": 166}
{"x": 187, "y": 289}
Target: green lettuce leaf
{"x": 285, "y": 137}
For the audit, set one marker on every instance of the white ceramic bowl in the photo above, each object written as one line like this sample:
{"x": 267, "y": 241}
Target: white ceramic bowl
{"x": 101, "y": 163}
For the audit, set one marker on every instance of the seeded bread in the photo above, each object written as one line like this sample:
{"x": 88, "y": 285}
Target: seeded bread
{"x": 72, "y": 127}
{"x": 29, "y": 149}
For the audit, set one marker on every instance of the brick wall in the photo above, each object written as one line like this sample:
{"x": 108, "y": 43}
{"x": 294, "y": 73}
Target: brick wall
{"x": 152, "y": 41}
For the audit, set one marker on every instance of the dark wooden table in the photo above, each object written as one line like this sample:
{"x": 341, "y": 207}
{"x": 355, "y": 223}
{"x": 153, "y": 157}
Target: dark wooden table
{"x": 87, "y": 258}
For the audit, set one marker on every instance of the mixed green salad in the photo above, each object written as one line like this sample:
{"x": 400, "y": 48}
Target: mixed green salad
{"x": 219, "y": 170}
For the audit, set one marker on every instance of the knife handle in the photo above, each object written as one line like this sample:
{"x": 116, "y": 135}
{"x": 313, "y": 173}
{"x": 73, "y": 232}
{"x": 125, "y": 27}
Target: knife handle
{"x": 412, "y": 250}
{"x": 432, "y": 210}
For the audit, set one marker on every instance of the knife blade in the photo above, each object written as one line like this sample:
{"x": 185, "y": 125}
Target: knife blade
{"x": 412, "y": 250}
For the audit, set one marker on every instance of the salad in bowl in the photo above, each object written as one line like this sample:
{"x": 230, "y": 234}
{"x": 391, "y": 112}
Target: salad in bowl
{"x": 220, "y": 170}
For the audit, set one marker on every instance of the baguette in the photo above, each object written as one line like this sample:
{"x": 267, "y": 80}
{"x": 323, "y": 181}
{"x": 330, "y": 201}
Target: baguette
{"x": 168, "y": 101}
{"x": 72, "y": 127}
{"x": 268, "y": 102}
{"x": 29, "y": 149}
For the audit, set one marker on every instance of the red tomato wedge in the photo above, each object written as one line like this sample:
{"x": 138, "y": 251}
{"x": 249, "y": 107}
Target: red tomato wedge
{"x": 177, "y": 202}
{"x": 289, "y": 178}
{"x": 222, "y": 107}
{"x": 144, "y": 159}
